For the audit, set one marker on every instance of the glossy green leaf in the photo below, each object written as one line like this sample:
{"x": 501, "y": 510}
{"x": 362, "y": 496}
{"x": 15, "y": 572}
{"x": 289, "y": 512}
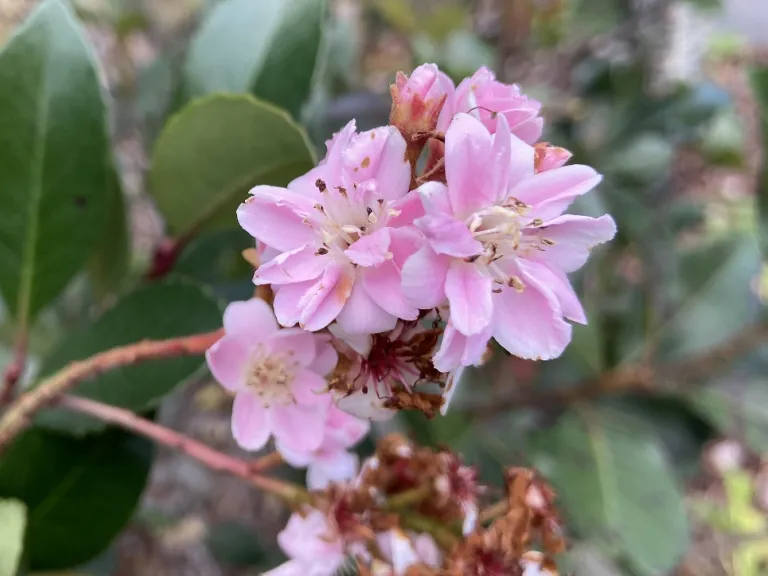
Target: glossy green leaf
{"x": 616, "y": 487}
{"x": 759, "y": 79}
{"x": 173, "y": 307}
{"x": 79, "y": 493}
{"x": 13, "y": 522}
{"x": 53, "y": 142}
{"x": 267, "y": 48}
{"x": 738, "y": 408}
{"x": 212, "y": 152}
{"x": 110, "y": 261}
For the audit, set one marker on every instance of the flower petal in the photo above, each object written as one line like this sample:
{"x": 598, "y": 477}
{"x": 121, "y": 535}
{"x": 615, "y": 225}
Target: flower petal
{"x": 406, "y": 210}
{"x": 403, "y": 243}
{"x": 360, "y": 343}
{"x": 383, "y": 285}
{"x": 343, "y": 430}
{"x": 448, "y": 236}
{"x": 457, "y": 350}
{"x": 558, "y": 283}
{"x": 322, "y": 303}
{"x": 529, "y": 324}
{"x": 251, "y": 320}
{"x": 275, "y": 216}
{"x": 423, "y": 278}
{"x": 570, "y": 238}
{"x": 367, "y": 406}
{"x": 299, "y": 427}
{"x": 296, "y": 343}
{"x": 335, "y": 467}
{"x": 326, "y": 356}
{"x": 227, "y": 360}
{"x": 434, "y": 198}
{"x": 287, "y": 299}
{"x": 467, "y": 149}
{"x": 251, "y": 422}
{"x": 371, "y": 249}
{"x": 469, "y": 295}
{"x": 451, "y": 385}
{"x": 551, "y": 192}
{"x": 310, "y": 389}
{"x": 297, "y": 265}
{"x": 361, "y": 315}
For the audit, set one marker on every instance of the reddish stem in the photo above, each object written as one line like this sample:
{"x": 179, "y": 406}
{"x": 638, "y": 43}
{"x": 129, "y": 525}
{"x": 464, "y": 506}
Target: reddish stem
{"x": 14, "y": 371}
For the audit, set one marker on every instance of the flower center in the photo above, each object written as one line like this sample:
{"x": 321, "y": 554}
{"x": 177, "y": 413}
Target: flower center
{"x": 348, "y": 215}
{"x": 269, "y": 376}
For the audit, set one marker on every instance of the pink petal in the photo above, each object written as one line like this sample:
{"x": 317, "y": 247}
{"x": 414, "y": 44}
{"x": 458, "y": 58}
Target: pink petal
{"x": 251, "y": 321}
{"x": 394, "y": 171}
{"x": 294, "y": 458}
{"x": 227, "y": 360}
{"x": 298, "y": 427}
{"x": 467, "y": 150}
{"x": 530, "y": 130}
{"x": 457, "y": 350}
{"x": 361, "y": 315}
{"x": 572, "y": 237}
{"x": 251, "y": 422}
{"x": 452, "y": 384}
{"x": 407, "y": 209}
{"x": 558, "y": 283}
{"x": 448, "y": 236}
{"x": 297, "y": 265}
{"x": 371, "y": 249}
{"x": 325, "y": 299}
{"x": 309, "y": 537}
{"x": 423, "y": 278}
{"x": 326, "y": 356}
{"x": 343, "y": 430}
{"x": 529, "y": 324}
{"x": 403, "y": 243}
{"x": 366, "y": 406}
{"x": 383, "y": 285}
{"x": 469, "y": 295}
{"x": 522, "y": 164}
{"x": 360, "y": 343}
{"x": 434, "y": 198}
{"x": 310, "y": 389}
{"x": 298, "y": 345}
{"x": 551, "y": 192}
{"x": 334, "y": 468}
{"x": 274, "y": 216}
{"x": 287, "y": 299}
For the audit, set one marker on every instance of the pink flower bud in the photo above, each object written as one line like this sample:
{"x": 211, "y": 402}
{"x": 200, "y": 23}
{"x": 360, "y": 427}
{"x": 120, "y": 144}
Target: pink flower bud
{"x": 549, "y": 157}
{"x": 418, "y": 99}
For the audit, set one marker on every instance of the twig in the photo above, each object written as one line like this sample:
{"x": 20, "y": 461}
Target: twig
{"x": 20, "y": 412}
{"x": 637, "y": 377}
{"x": 15, "y": 369}
{"x": 202, "y": 453}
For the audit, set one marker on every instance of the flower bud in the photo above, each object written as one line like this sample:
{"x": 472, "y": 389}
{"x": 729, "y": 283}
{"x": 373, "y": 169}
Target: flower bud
{"x": 549, "y": 157}
{"x": 418, "y": 99}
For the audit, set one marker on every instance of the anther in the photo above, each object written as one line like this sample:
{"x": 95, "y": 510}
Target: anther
{"x": 320, "y": 184}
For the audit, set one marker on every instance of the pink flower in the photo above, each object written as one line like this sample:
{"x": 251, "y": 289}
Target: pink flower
{"x": 498, "y": 247}
{"x": 276, "y": 376}
{"x": 402, "y": 551}
{"x": 487, "y": 99}
{"x": 313, "y": 546}
{"x": 418, "y": 99}
{"x": 549, "y": 157}
{"x": 338, "y": 231}
{"x": 379, "y": 364}
{"x": 331, "y": 462}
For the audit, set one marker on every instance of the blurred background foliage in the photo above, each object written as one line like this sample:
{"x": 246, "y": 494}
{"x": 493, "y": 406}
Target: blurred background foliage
{"x": 654, "y": 424}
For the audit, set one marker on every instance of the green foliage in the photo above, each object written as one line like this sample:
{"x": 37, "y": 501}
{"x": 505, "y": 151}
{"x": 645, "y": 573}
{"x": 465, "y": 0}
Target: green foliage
{"x": 165, "y": 309}
{"x": 53, "y": 151}
{"x": 616, "y": 485}
{"x": 212, "y": 152}
{"x": 759, "y": 80}
{"x": 78, "y": 493}
{"x": 266, "y": 48}
{"x": 13, "y": 522}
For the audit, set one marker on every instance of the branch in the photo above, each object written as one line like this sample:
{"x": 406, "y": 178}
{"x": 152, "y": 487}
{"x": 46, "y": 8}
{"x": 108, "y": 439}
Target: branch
{"x": 15, "y": 370}
{"x": 640, "y": 378}
{"x": 21, "y": 411}
{"x": 202, "y": 453}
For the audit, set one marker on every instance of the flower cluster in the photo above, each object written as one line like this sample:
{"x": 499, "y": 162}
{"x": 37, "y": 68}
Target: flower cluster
{"x": 389, "y": 268}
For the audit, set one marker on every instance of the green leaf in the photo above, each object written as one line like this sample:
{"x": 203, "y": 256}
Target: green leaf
{"x": 110, "y": 261}
{"x": 615, "y": 486}
{"x": 79, "y": 493}
{"x": 212, "y": 152}
{"x": 52, "y": 148}
{"x": 737, "y": 407}
{"x": 13, "y": 522}
{"x": 174, "y": 307}
{"x": 215, "y": 259}
{"x": 267, "y": 48}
